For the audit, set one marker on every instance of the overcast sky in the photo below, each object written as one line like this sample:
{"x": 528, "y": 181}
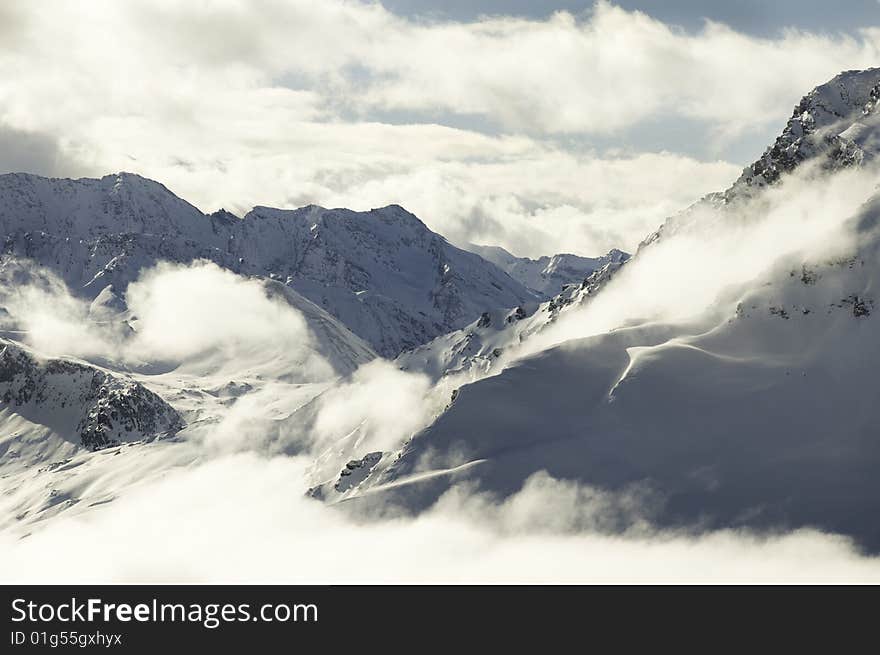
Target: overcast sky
{"x": 755, "y": 17}
{"x": 542, "y": 127}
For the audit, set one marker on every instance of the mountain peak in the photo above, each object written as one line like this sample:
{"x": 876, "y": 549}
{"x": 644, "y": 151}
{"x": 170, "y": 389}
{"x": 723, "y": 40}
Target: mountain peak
{"x": 383, "y": 273}
{"x": 820, "y": 125}
{"x": 121, "y": 203}
{"x": 390, "y": 215}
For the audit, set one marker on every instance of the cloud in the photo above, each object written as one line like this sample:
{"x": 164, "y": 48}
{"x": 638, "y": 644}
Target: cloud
{"x": 22, "y": 151}
{"x": 254, "y": 524}
{"x": 198, "y": 318}
{"x": 235, "y": 104}
{"x": 185, "y": 313}
{"x": 370, "y": 402}
{"x": 591, "y": 73}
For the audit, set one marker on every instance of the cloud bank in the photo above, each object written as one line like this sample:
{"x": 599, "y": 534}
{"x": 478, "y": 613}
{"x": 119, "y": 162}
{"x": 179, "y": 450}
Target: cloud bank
{"x": 487, "y": 129}
{"x": 242, "y": 518}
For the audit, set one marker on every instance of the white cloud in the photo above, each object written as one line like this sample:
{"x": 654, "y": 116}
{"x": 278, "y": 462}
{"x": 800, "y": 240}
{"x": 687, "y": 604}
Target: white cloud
{"x": 254, "y": 524}
{"x": 594, "y": 73}
{"x": 705, "y": 258}
{"x": 199, "y": 318}
{"x": 190, "y": 313}
{"x": 234, "y": 104}
{"x": 373, "y": 401}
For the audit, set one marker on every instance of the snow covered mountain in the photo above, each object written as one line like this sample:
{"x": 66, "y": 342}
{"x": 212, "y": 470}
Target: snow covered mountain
{"x": 382, "y": 273}
{"x": 758, "y": 410}
{"x": 764, "y": 416}
{"x": 546, "y": 276}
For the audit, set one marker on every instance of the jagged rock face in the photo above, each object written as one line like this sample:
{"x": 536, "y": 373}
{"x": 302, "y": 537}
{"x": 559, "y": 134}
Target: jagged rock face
{"x": 94, "y": 407}
{"x": 834, "y": 125}
{"x": 382, "y": 273}
{"x": 820, "y": 126}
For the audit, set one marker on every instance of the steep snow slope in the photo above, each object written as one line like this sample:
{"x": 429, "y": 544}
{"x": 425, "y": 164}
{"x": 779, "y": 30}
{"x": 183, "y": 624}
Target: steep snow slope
{"x": 382, "y": 273}
{"x": 762, "y": 413}
{"x": 546, "y": 276}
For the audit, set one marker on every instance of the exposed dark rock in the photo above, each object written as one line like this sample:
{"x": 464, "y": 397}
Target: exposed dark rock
{"x": 102, "y": 409}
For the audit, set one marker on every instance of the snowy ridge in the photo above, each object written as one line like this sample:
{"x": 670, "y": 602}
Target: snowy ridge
{"x": 721, "y": 419}
{"x": 382, "y": 273}
{"x": 833, "y": 121}
{"x": 90, "y": 208}
{"x": 834, "y": 126}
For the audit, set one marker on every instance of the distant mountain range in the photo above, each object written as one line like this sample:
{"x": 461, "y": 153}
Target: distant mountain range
{"x": 546, "y": 275}
{"x": 388, "y": 278}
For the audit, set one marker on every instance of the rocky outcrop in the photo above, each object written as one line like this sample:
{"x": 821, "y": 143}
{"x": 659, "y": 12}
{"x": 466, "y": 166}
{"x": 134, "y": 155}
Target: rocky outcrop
{"x": 86, "y": 404}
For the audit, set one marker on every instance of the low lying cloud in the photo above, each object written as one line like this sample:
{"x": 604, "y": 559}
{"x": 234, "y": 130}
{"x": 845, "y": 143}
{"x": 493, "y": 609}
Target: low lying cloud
{"x": 186, "y": 313}
{"x": 254, "y": 524}
{"x": 199, "y": 318}
{"x": 386, "y": 405}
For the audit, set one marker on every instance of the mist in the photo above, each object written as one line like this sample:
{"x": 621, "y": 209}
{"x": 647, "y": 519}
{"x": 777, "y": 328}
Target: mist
{"x": 244, "y": 518}
{"x": 197, "y": 318}
{"x": 706, "y": 258}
